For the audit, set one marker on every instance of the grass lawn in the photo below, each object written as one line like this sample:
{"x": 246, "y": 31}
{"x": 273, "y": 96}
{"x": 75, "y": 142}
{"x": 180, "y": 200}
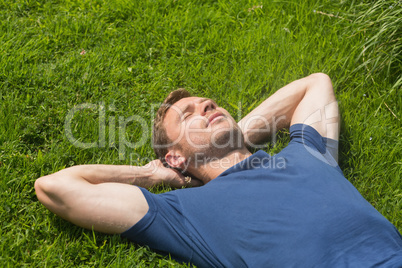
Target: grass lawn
{"x": 100, "y": 66}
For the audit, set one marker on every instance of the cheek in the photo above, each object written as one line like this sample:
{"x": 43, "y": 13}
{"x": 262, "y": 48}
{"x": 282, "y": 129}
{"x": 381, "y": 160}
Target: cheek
{"x": 196, "y": 123}
{"x": 196, "y": 133}
{"x": 175, "y": 132}
{"x": 228, "y": 115}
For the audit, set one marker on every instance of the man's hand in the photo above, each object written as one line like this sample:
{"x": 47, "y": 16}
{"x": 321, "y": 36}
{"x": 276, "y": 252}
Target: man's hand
{"x": 169, "y": 176}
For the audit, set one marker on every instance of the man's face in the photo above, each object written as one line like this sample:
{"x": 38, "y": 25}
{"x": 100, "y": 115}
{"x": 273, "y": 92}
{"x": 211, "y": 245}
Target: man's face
{"x": 198, "y": 125}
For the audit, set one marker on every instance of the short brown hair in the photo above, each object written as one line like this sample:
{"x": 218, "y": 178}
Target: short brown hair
{"x": 160, "y": 139}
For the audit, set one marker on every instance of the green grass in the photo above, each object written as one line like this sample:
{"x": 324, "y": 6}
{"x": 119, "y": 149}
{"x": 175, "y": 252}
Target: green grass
{"x": 138, "y": 51}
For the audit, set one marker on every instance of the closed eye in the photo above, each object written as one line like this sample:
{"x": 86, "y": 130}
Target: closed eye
{"x": 186, "y": 115}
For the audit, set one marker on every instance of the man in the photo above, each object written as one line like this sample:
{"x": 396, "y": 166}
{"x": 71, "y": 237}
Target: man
{"x": 292, "y": 209}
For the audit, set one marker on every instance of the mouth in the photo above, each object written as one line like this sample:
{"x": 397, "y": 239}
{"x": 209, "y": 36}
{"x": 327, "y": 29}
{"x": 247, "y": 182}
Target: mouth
{"x": 215, "y": 117}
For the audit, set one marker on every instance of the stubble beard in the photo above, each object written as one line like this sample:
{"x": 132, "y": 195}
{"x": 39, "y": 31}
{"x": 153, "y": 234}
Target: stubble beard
{"x": 219, "y": 146}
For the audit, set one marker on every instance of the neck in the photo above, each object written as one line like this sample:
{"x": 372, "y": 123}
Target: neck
{"x": 207, "y": 169}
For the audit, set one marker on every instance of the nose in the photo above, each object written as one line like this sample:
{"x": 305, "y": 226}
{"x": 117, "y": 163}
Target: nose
{"x": 206, "y": 106}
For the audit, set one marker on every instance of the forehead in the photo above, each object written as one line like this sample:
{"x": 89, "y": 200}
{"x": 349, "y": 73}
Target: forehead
{"x": 182, "y": 105}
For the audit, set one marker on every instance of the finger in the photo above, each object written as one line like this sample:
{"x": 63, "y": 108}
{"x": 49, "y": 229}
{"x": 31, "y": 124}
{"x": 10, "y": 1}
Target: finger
{"x": 195, "y": 183}
{"x": 186, "y": 181}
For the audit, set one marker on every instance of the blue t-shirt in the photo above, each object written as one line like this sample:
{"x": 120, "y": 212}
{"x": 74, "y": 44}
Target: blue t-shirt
{"x": 293, "y": 209}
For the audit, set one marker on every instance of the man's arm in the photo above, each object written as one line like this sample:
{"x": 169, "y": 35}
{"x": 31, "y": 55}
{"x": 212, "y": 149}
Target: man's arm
{"x": 309, "y": 100}
{"x": 103, "y": 197}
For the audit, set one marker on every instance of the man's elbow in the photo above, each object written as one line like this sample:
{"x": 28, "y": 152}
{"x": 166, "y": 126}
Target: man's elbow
{"x": 42, "y": 188}
{"x": 322, "y": 83}
{"x": 46, "y": 189}
{"x": 321, "y": 78}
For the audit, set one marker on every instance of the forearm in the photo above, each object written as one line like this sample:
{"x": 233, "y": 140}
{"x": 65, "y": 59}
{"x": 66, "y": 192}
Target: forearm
{"x": 96, "y": 174}
{"x": 273, "y": 114}
{"x": 59, "y": 190}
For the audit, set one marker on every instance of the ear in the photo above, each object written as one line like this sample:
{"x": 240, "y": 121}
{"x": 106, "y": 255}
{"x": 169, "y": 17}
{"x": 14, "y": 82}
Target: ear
{"x": 175, "y": 159}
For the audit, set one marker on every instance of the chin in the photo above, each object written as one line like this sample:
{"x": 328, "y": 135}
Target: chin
{"x": 229, "y": 139}
{"x": 223, "y": 140}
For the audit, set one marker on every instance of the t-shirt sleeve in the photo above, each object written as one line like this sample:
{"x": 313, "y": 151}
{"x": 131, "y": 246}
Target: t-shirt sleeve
{"x": 160, "y": 229}
{"x": 324, "y": 149}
